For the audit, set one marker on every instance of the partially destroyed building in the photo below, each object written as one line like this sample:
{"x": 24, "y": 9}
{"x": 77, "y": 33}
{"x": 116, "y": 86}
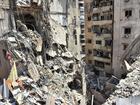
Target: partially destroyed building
{"x": 41, "y": 47}
{"x": 126, "y": 29}
{"x": 99, "y": 31}
{"x": 128, "y": 91}
{"x": 40, "y": 53}
{"x": 68, "y": 17}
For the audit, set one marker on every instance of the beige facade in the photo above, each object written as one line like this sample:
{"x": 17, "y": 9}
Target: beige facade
{"x": 126, "y": 29}
{"x": 98, "y": 33}
{"x": 88, "y": 32}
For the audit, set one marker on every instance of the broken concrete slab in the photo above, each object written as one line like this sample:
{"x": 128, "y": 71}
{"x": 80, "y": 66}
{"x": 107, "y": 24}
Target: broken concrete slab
{"x": 126, "y": 87}
{"x": 128, "y": 67}
{"x": 33, "y": 72}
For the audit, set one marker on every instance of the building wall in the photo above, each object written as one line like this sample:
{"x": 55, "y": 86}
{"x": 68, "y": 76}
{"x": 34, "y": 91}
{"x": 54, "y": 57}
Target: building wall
{"x": 58, "y": 11}
{"x": 4, "y": 62}
{"x": 4, "y": 16}
{"x": 122, "y": 37}
{"x": 74, "y": 28}
{"x": 68, "y": 16}
{"x": 5, "y": 26}
{"x": 88, "y": 35}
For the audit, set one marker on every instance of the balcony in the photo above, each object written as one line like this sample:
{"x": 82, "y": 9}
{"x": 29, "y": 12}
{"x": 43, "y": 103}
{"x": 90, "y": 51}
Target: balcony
{"x": 102, "y": 3}
{"x": 102, "y": 9}
{"x": 106, "y": 69}
{"x": 104, "y": 18}
{"x": 103, "y": 36}
{"x": 103, "y": 31}
{"x": 102, "y": 22}
{"x": 81, "y": 1}
{"x": 101, "y": 65}
{"x": 104, "y": 48}
{"x": 101, "y": 59}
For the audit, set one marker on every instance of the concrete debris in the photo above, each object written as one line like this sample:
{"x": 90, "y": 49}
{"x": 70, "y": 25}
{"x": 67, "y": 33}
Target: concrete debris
{"x": 128, "y": 101}
{"x": 67, "y": 54}
{"x": 100, "y": 86}
{"x": 128, "y": 67}
{"x": 56, "y": 31}
{"x": 55, "y": 82}
{"x": 51, "y": 52}
{"x": 33, "y": 72}
{"x": 127, "y": 87}
{"x": 58, "y": 50}
{"x": 40, "y": 70}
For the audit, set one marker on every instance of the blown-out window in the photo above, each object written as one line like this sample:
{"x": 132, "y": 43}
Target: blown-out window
{"x": 128, "y": 13}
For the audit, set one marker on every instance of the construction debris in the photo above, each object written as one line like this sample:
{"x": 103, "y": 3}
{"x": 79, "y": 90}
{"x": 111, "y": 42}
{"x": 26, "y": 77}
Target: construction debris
{"x": 58, "y": 82}
{"x": 128, "y": 101}
{"x": 100, "y": 86}
{"x": 40, "y": 69}
{"x": 127, "y": 87}
{"x": 37, "y": 67}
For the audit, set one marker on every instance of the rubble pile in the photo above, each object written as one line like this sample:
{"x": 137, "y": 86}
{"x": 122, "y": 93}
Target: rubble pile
{"x": 100, "y": 86}
{"x": 127, "y": 87}
{"x": 33, "y": 82}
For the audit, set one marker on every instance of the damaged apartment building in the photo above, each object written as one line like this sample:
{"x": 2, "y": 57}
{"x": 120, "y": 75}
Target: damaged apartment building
{"x": 98, "y": 34}
{"x": 112, "y": 46}
{"x": 110, "y": 26}
{"x": 40, "y": 57}
{"x": 98, "y": 50}
{"x": 126, "y": 30}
